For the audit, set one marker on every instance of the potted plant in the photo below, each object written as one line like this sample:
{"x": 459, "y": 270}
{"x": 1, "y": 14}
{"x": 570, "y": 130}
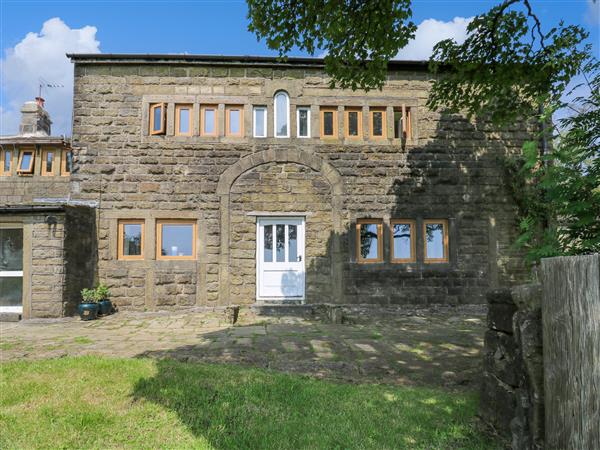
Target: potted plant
{"x": 88, "y": 308}
{"x": 102, "y": 297}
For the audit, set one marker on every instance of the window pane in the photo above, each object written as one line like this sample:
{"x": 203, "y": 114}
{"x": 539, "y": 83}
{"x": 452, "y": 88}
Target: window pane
{"x": 369, "y": 241}
{"x": 234, "y": 121}
{"x": 157, "y": 116}
{"x": 177, "y": 239}
{"x": 11, "y": 249}
{"x": 132, "y": 239}
{"x": 397, "y": 124}
{"x": 280, "y": 243}
{"x": 184, "y": 120}
{"x": 26, "y": 161}
{"x": 402, "y": 241}
{"x": 377, "y": 123}
{"x": 7, "y": 160}
{"x": 11, "y": 291}
{"x": 259, "y": 122}
{"x": 281, "y": 111}
{"x": 69, "y": 162}
{"x": 303, "y": 122}
{"x": 49, "y": 161}
{"x": 209, "y": 121}
{"x": 292, "y": 243}
{"x": 353, "y": 123}
{"x": 268, "y": 243}
{"x": 328, "y": 123}
{"x": 435, "y": 240}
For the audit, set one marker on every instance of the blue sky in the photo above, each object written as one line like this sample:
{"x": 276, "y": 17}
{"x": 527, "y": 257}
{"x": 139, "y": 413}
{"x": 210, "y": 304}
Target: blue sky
{"x": 210, "y": 27}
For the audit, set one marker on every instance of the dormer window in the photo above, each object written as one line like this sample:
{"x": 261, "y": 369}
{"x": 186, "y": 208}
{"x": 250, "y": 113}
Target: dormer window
{"x": 157, "y": 118}
{"x": 282, "y": 115}
{"x": 67, "y": 163}
{"x": 48, "y": 159}
{"x": 25, "y": 166}
{"x": 6, "y": 162}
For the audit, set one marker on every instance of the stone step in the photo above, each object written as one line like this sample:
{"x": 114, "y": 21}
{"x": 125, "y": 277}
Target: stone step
{"x": 283, "y": 309}
{"x": 10, "y": 317}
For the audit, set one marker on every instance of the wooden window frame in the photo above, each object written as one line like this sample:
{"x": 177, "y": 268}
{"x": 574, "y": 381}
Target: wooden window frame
{"x": 10, "y": 168}
{"x": 45, "y": 173}
{"x": 163, "y": 114}
{"x": 322, "y": 112}
{"x": 379, "y": 223}
{"x": 446, "y": 257}
{"x": 308, "y": 131}
{"x": 276, "y": 114}
{"x": 266, "y": 112}
{"x": 203, "y": 108}
{"x": 347, "y": 112}
{"x": 120, "y": 229}
{"x": 30, "y": 170}
{"x": 178, "y": 108}
{"x": 63, "y": 163}
{"x": 228, "y": 109}
{"x": 383, "y": 112}
{"x": 406, "y": 117}
{"x": 161, "y": 222}
{"x": 413, "y": 243}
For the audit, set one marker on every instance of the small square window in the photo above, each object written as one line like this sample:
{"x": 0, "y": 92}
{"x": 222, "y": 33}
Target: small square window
{"x": 208, "y": 120}
{"x": 402, "y": 240}
{"x": 183, "y": 120}
{"x": 131, "y": 239}
{"x": 48, "y": 162}
{"x": 6, "y": 162}
{"x": 369, "y": 240}
{"x": 303, "y": 122}
{"x": 176, "y": 239}
{"x": 157, "y": 118}
{"x": 234, "y": 118}
{"x": 353, "y": 123}
{"x": 402, "y": 123}
{"x": 435, "y": 234}
{"x": 378, "y": 123}
{"x": 260, "y": 121}
{"x": 26, "y": 160}
{"x": 329, "y": 126}
{"x": 66, "y": 165}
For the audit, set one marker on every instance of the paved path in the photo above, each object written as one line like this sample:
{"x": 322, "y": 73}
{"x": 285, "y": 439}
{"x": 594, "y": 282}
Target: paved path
{"x": 439, "y": 346}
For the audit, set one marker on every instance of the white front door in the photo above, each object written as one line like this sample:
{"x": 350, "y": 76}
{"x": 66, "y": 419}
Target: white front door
{"x": 280, "y": 258}
{"x": 11, "y": 268}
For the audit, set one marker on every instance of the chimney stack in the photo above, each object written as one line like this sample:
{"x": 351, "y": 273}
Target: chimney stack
{"x": 35, "y": 120}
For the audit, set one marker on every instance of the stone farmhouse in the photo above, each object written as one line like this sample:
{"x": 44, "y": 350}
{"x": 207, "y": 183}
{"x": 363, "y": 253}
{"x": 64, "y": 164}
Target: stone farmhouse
{"x": 216, "y": 180}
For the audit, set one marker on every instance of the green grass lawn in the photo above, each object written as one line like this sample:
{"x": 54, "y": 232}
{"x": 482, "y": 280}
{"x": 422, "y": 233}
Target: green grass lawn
{"x": 92, "y": 402}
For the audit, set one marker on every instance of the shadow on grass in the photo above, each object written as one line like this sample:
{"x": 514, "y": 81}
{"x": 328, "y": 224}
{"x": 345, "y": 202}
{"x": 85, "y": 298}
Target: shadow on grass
{"x": 234, "y": 407}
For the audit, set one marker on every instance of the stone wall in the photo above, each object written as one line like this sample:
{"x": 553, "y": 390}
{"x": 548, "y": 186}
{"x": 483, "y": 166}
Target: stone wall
{"x": 451, "y": 168}
{"x": 512, "y": 394}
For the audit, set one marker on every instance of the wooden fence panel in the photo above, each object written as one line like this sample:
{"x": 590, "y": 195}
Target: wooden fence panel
{"x": 571, "y": 324}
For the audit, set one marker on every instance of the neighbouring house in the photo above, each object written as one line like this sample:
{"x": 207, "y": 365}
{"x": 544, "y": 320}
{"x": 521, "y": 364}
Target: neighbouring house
{"x": 217, "y": 180}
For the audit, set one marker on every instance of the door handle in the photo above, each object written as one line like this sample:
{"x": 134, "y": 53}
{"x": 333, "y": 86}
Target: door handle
{"x": 299, "y": 258}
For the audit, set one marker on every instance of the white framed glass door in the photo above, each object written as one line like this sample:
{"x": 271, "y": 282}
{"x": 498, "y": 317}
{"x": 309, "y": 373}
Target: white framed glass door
{"x": 280, "y": 258}
{"x": 11, "y": 268}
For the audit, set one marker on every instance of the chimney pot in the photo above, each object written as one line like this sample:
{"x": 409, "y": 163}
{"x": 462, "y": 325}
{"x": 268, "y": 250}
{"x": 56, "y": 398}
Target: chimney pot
{"x": 40, "y": 101}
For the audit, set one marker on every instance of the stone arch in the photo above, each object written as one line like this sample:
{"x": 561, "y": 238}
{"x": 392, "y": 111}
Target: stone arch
{"x": 231, "y": 174}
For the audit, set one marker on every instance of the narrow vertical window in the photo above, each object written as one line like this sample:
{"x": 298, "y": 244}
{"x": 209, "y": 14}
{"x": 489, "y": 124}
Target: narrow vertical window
{"x": 6, "y": 162}
{"x": 260, "y": 122}
{"x": 157, "y": 118}
{"x": 369, "y": 242}
{"x": 48, "y": 158}
{"x": 435, "y": 234}
{"x": 329, "y": 128}
{"x": 66, "y": 163}
{"x": 282, "y": 115}
{"x": 176, "y": 239}
{"x": 131, "y": 239}
{"x": 26, "y": 160}
{"x": 353, "y": 123}
{"x": 183, "y": 120}
{"x": 402, "y": 123}
{"x": 303, "y": 122}
{"x": 378, "y": 123}
{"x": 234, "y": 116}
{"x": 208, "y": 120}
{"x": 403, "y": 240}
{"x": 268, "y": 243}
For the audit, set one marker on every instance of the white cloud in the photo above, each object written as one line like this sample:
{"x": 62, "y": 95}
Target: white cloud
{"x": 593, "y": 12}
{"x": 430, "y": 32}
{"x": 43, "y": 55}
